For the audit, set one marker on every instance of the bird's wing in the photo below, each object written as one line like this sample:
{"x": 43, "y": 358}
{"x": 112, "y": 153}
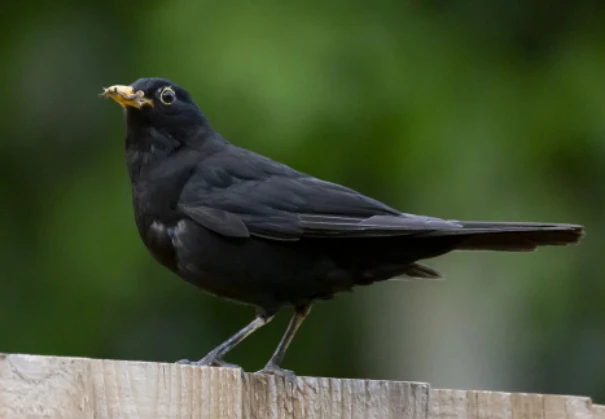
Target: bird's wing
{"x": 237, "y": 193}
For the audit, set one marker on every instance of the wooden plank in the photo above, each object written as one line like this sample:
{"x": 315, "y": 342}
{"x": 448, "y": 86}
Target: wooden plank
{"x": 446, "y": 404}
{"x": 54, "y": 387}
{"x": 315, "y": 397}
{"x": 598, "y": 411}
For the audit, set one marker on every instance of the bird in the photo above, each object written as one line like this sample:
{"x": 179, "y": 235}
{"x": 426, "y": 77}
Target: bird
{"x": 248, "y": 229}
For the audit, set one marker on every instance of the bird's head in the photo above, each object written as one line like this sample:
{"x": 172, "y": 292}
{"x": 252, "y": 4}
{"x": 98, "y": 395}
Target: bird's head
{"x": 158, "y": 104}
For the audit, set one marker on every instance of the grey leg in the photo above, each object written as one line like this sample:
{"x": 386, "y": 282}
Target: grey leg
{"x": 273, "y": 366}
{"x": 215, "y": 357}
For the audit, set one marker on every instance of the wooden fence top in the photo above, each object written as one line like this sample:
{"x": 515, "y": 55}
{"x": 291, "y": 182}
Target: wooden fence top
{"x": 57, "y": 387}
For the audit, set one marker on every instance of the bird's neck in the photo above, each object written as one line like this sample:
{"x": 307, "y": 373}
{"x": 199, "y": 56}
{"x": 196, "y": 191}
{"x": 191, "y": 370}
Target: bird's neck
{"x": 147, "y": 149}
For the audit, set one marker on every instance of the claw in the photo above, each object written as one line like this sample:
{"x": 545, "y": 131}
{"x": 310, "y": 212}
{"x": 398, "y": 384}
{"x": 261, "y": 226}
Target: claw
{"x": 208, "y": 362}
{"x": 273, "y": 369}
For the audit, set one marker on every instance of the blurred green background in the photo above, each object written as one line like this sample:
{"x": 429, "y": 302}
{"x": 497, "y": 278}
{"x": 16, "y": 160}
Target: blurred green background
{"x": 459, "y": 109}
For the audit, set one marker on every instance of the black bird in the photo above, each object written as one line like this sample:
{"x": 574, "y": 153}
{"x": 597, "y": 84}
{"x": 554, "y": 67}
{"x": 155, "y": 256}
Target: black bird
{"x": 246, "y": 228}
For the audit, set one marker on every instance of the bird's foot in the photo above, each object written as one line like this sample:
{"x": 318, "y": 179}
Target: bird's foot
{"x": 276, "y": 370}
{"x": 209, "y": 361}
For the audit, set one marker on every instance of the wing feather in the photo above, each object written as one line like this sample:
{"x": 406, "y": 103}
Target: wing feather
{"x": 240, "y": 194}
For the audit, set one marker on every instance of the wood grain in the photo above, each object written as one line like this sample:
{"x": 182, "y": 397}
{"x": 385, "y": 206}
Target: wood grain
{"x": 58, "y": 387}
{"x": 484, "y": 404}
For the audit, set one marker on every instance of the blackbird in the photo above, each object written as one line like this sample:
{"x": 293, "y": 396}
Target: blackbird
{"x": 244, "y": 227}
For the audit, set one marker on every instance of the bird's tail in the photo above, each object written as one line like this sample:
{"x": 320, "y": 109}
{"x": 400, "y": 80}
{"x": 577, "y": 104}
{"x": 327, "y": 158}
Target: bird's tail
{"x": 511, "y": 236}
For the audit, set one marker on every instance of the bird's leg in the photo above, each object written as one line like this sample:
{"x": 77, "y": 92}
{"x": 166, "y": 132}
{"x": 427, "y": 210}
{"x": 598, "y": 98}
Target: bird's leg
{"x": 273, "y": 366}
{"x": 215, "y": 357}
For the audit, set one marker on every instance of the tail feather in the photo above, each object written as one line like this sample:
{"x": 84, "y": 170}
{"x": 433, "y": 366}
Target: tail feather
{"x": 416, "y": 270}
{"x": 396, "y": 257}
{"x": 510, "y": 236}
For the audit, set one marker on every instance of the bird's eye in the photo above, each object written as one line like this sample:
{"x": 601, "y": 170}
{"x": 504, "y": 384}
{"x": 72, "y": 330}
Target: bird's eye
{"x": 167, "y": 96}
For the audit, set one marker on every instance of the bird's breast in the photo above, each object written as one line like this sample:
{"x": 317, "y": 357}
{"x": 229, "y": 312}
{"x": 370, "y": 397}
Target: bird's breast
{"x": 162, "y": 240}
{"x": 189, "y": 251}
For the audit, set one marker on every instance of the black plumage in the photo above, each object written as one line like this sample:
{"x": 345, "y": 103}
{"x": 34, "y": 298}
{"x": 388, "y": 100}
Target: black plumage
{"x": 247, "y": 228}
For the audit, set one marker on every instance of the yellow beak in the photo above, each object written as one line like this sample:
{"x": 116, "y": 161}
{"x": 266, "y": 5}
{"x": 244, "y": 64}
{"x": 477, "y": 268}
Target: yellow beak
{"x": 126, "y": 96}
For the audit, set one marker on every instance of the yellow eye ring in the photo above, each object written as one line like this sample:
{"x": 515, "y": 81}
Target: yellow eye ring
{"x": 167, "y": 96}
